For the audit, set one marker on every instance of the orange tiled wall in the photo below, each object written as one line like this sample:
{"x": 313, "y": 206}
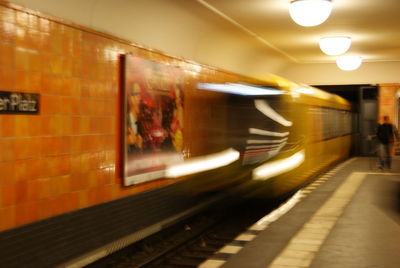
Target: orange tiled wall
{"x": 388, "y": 101}
{"x": 66, "y": 157}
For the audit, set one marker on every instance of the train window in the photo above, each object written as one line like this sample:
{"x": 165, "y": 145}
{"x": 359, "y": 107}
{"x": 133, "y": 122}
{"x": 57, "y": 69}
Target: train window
{"x": 335, "y": 123}
{"x": 329, "y": 123}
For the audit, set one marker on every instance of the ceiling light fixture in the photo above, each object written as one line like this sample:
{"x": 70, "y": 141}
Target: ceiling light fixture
{"x": 348, "y": 63}
{"x": 310, "y": 12}
{"x": 335, "y": 45}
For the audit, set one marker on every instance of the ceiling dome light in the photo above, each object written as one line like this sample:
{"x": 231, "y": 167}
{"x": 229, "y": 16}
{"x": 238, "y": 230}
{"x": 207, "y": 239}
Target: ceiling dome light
{"x": 348, "y": 63}
{"x": 310, "y": 12}
{"x": 335, "y": 45}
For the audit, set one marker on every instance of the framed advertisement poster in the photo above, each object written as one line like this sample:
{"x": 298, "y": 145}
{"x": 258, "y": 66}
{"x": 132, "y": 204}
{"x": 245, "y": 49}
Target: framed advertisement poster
{"x": 153, "y": 119}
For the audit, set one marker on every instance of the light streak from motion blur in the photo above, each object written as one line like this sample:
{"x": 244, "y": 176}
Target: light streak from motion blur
{"x": 264, "y": 146}
{"x": 278, "y": 167}
{"x": 263, "y": 107}
{"x": 266, "y": 141}
{"x": 312, "y": 92}
{"x": 202, "y": 163}
{"x": 305, "y": 90}
{"x": 240, "y": 89}
{"x": 267, "y": 132}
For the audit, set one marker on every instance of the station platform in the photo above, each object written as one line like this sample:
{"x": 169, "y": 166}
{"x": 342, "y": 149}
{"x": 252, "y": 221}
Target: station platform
{"x": 348, "y": 217}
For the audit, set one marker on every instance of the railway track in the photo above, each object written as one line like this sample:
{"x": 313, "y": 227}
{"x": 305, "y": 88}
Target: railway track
{"x": 189, "y": 243}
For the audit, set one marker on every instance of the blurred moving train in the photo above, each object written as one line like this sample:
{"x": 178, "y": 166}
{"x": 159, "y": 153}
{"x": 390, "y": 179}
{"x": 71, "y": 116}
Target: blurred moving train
{"x": 188, "y": 136}
{"x": 224, "y": 129}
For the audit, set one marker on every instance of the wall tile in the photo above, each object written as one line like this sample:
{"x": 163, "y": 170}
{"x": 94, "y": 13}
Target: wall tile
{"x": 22, "y": 19}
{"x": 8, "y": 79}
{"x": 22, "y": 124}
{"x": 78, "y": 182}
{"x": 7, "y": 14}
{"x": 7, "y": 126}
{"x": 45, "y": 208}
{"x": 51, "y": 84}
{"x": 85, "y": 124}
{"x": 8, "y": 195}
{"x": 35, "y": 125}
{"x": 7, "y": 172}
{"x": 32, "y": 190}
{"x": 43, "y": 188}
{"x": 34, "y": 168}
{"x": 8, "y": 149}
{"x": 22, "y": 148}
{"x": 66, "y": 126}
{"x": 21, "y": 170}
{"x": 21, "y": 192}
{"x": 7, "y": 53}
{"x": 76, "y": 144}
{"x": 8, "y": 32}
{"x": 83, "y": 199}
{"x": 28, "y": 81}
{"x": 76, "y": 106}
{"x": 7, "y": 218}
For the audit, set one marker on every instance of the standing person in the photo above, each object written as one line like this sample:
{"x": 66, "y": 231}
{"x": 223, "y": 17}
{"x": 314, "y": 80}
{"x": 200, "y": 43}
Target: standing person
{"x": 387, "y": 134}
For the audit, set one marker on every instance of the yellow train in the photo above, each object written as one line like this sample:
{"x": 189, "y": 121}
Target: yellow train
{"x": 214, "y": 129}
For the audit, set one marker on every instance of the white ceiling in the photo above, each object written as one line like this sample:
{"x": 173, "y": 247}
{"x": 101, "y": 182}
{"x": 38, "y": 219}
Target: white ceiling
{"x": 373, "y": 25}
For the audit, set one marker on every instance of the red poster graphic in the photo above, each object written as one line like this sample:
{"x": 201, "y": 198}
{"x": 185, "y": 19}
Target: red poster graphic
{"x": 153, "y": 119}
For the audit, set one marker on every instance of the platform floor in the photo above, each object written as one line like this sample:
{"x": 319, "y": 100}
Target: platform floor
{"x": 349, "y": 217}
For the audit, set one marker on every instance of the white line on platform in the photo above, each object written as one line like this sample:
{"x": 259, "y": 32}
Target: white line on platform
{"x": 314, "y": 229}
{"x": 212, "y": 264}
{"x": 322, "y": 221}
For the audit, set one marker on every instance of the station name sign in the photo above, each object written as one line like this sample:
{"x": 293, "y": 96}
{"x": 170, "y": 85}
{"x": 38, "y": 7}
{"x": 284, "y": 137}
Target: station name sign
{"x": 19, "y": 103}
